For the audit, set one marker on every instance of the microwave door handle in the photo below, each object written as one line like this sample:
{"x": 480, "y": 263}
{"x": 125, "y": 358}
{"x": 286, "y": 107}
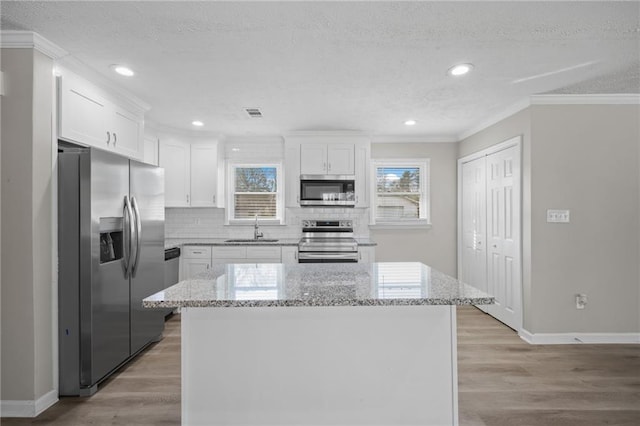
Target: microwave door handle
{"x": 138, "y": 232}
{"x": 127, "y": 234}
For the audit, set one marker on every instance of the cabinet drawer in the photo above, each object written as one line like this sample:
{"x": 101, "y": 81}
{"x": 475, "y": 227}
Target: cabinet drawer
{"x": 270, "y": 252}
{"x": 232, "y": 252}
{"x": 197, "y": 252}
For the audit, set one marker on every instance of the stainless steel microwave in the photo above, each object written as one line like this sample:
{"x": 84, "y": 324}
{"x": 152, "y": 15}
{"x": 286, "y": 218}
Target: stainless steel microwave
{"x": 327, "y": 190}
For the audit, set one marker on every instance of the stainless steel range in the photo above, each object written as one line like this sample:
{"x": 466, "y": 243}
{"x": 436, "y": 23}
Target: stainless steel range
{"x": 327, "y": 241}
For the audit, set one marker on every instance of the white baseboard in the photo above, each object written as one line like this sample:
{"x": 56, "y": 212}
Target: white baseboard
{"x": 28, "y": 408}
{"x": 578, "y": 338}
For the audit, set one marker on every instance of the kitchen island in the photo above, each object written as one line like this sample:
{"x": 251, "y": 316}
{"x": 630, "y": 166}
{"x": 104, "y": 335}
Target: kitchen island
{"x": 319, "y": 344}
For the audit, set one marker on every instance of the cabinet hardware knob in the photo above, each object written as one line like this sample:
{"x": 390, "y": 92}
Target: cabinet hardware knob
{"x": 329, "y": 166}
{"x": 214, "y": 199}
{"x": 115, "y": 138}
{"x": 108, "y": 138}
{"x": 187, "y": 198}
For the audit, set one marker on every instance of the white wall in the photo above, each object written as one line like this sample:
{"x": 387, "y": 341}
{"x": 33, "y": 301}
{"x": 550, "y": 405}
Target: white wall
{"x": 27, "y": 112}
{"x": 435, "y": 246}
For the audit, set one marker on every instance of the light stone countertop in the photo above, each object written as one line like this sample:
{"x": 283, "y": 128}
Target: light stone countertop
{"x": 336, "y": 284}
{"x": 177, "y": 242}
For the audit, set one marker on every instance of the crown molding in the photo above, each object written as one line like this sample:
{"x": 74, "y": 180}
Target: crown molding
{"x": 603, "y": 99}
{"x": 254, "y": 139}
{"x": 414, "y": 139}
{"x": 326, "y": 133}
{"x": 553, "y": 99}
{"x": 30, "y": 40}
{"x": 113, "y": 89}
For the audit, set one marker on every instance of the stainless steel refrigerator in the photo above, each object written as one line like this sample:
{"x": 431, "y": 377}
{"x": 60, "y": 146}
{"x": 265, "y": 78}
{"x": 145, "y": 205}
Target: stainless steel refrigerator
{"x": 111, "y": 256}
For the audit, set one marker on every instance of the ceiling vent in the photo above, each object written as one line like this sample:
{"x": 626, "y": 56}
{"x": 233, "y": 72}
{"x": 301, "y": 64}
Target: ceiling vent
{"x": 254, "y": 112}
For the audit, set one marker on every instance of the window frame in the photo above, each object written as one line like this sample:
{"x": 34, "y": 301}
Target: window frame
{"x": 424, "y": 166}
{"x": 232, "y": 165}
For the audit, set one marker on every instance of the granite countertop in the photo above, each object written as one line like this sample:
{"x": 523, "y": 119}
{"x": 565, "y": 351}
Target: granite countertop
{"x": 176, "y": 242}
{"x": 337, "y": 284}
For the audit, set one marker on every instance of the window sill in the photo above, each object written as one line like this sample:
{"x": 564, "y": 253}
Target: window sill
{"x": 252, "y": 222}
{"x": 417, "y": 224}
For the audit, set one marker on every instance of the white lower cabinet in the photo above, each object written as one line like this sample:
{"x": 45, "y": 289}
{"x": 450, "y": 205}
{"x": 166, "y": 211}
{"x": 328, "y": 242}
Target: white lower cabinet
{"x": 289, "y": 254}
{"x": 246, "y": 254}
{"x": 366, "y": 254}
{"x": 194, "y": 259}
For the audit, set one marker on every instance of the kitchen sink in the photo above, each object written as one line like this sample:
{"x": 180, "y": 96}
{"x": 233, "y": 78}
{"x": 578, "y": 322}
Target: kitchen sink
{"x": 250, "y": 240}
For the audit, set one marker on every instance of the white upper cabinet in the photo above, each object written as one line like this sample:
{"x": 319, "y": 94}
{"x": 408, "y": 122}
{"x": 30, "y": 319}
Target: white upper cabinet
{"x": 292, "y": 174}
{"x": 86, "y": 115}
{"x": 362, "y": 167}
{"x": 326, "y": 158}
{"x": 192, "y": 173}
{"x": 151, "y": 150}
{"x": 319, "y": 154}
{"x": 204, "y": 174}
{"x": 340, "y": 159}
{"x": 174, "y": 157}
{"x": 127, "y": 130}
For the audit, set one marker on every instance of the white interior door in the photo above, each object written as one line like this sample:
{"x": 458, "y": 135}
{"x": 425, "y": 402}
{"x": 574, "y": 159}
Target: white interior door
{"x": 503, "y": 235}
{"x": 474, "y": 218}
{"x": 489, "y": 228}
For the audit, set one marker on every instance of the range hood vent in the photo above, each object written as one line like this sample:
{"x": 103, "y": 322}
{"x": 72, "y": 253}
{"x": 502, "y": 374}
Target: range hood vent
{"x": 254, "y": 112}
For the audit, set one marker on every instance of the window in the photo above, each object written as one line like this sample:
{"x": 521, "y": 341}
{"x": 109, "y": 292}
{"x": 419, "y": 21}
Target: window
{"x": 401, "y": 192}
{"x": 254, "y": 189}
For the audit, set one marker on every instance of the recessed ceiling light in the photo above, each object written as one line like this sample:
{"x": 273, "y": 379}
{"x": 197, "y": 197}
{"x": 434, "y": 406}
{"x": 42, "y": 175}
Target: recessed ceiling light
{"x": 122, "y": 70}
{"x": 460, "y": 69}
{"x": 410, "y": 123}
{"x": 197, "y": 123}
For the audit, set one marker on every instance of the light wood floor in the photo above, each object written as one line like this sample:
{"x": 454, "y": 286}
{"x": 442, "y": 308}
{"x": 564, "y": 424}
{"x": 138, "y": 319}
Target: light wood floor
{"x": 502, "y": 382}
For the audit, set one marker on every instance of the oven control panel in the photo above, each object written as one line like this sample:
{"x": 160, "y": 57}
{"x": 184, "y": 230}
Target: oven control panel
{"x": 320, "y": 224}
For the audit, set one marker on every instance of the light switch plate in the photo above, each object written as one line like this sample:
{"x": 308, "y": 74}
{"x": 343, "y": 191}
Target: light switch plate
{"x": 558, "y": 216}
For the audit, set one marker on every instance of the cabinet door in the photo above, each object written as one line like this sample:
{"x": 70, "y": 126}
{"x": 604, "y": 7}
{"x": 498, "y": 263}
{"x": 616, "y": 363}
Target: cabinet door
{"x": 340, "y": 159}
{"x": 204, "y": 175}
{"x": 289, "y": 255}
{"x": 362, "y": 167}
{"x": 366, "y": 254}
{"x": 229, "y": 254}
{"x": 175, "y": 159}
{"x": 313, "y": 159}
{"x": 126, "y": 130}
{"x": 269, "y": 254}
{"x": 193, "y": 267}
{"x": 150, "y": 155}
{"x": 292, "y": 175}
{"x": 83, "y": 113}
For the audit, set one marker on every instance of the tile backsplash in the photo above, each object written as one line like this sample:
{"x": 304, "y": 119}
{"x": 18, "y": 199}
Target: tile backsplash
{"x": 194, "y": 223}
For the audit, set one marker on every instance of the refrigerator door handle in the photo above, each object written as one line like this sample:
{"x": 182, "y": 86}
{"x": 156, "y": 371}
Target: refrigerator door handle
{"x": 127, "y": 235}
{"x": 138, "y": 231}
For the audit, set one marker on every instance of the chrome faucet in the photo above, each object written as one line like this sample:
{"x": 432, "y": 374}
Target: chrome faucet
{"x": 256, "y": 231}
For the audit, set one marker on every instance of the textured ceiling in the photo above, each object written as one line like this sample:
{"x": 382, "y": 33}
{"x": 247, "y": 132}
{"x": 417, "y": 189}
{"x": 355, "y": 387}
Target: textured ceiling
{"x": 365, "y": 66}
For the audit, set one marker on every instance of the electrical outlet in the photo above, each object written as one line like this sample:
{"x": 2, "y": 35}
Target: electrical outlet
{"x": 581, "y": 301}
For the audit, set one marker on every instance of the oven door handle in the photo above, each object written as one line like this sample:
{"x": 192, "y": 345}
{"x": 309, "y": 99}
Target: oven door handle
{"x": 303, "y": 255}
